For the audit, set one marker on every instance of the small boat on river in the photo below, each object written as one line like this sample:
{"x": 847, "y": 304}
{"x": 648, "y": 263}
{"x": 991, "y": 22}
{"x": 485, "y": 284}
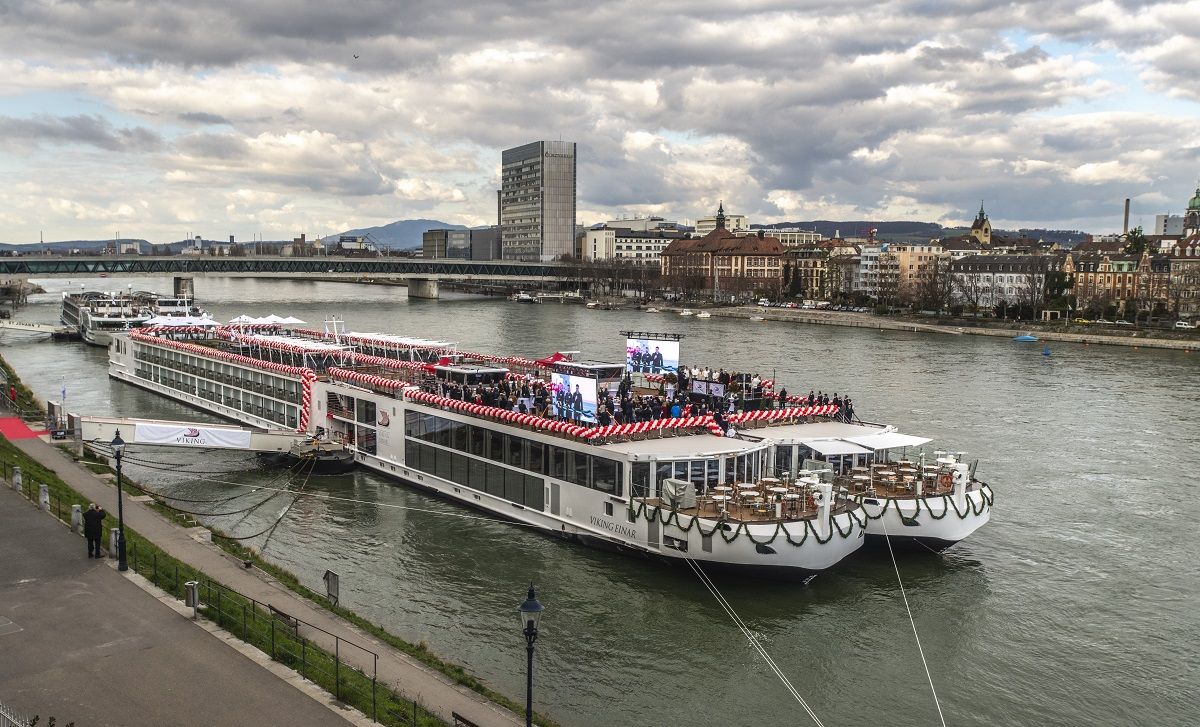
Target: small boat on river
{"x": 1025, "y": 338}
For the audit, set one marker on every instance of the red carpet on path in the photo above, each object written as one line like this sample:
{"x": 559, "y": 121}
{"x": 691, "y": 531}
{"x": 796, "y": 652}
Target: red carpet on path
{"x": 14, "y": 428}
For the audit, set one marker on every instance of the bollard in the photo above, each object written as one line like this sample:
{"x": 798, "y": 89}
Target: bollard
{"x": 112, "y": 542}
{"x": 77, "y": 519}
{"x": 44, "y": 497}
{"x": 16, "y": 480}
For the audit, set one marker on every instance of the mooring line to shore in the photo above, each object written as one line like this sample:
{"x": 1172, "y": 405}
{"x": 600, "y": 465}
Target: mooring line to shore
{"x": 754, "y": 642}
{"x": 916, "y": 636}
{"x": 337, "y": 498}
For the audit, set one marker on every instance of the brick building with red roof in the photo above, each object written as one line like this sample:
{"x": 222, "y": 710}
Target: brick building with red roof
{"x": 723, "y": 264}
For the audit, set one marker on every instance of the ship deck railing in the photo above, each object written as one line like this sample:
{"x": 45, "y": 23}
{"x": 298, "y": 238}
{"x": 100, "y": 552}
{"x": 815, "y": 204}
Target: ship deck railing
{"x": 757, "y": 507}
{"x": 898, "y": 480}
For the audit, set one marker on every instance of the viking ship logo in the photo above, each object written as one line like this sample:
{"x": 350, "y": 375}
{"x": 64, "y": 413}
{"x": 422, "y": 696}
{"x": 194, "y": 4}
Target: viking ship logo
{"x": 192, "y": 432}
{"x": 383, "y": 419}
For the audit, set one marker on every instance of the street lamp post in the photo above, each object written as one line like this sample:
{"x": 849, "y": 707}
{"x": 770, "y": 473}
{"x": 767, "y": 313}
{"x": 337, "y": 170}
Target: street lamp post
{"x": 118, "y": 446}
{"x": 530, "y": 612}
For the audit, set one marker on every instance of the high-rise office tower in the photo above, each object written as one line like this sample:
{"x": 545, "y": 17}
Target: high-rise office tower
{"x": 537, "y": 201}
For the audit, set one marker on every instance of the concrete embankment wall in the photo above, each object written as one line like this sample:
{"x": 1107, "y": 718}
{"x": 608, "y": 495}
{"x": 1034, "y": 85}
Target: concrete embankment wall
{"x": 867, "y": 320}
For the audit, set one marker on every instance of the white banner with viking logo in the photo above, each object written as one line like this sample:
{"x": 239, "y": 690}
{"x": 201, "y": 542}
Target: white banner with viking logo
{"x": 185, "y": 436}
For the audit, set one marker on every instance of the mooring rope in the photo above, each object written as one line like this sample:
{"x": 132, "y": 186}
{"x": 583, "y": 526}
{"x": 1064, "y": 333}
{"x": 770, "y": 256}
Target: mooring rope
{"x": 916, "y": 636}
{"x": 754, "y": 642}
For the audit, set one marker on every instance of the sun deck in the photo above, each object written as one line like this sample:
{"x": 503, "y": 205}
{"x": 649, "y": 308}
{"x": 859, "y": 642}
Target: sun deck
{"x": 766, "y": 501}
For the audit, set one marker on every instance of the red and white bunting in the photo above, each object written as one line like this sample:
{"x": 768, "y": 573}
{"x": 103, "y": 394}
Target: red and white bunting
{"x": 358, "y": 377}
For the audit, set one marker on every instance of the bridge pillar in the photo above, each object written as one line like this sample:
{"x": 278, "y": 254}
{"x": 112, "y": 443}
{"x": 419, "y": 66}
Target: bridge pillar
{"x": 426, "y": 288}
{"x": 184, "y": 286}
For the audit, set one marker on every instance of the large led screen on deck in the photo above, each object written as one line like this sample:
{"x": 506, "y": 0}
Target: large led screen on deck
{"x": 651, "y": 356}
{"x": 574, "y": 398}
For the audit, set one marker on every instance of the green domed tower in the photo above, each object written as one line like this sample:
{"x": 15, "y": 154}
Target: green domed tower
{"x": 1191, "y": 218}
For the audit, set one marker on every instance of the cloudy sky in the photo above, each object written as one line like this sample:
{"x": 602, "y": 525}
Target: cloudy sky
{"x": 160, "y": 117}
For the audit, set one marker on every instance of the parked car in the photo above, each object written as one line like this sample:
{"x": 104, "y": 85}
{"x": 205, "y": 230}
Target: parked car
{"x": 764, "y": 302}
{"x": 1081, "y": 320}
{"x": 1101, "y": 320}
{"x": 1123, "y": 323}
{"x": 1184, "y": 325}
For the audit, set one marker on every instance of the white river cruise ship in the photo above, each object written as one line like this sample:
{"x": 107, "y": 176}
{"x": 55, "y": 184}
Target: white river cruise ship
{"x": 786, "y": 491}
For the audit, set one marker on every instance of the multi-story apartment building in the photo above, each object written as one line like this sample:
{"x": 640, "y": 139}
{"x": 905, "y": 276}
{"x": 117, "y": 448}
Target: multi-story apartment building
{"x": 537, "y": 201}
{"x": 986, "y": 281}
{"x": 789, "y": 237}
{"x": 443, "y": 243}
{"x": 1183, "y": 291}
{"x": 641, "y": 247}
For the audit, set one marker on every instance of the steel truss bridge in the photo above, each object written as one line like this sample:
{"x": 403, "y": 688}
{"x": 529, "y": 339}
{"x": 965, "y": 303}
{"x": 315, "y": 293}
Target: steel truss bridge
{"x": 422, "y": 276}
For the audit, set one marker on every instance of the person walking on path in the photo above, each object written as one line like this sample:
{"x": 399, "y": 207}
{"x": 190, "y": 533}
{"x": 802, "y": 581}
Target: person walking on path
{"x": 93, "y": 528}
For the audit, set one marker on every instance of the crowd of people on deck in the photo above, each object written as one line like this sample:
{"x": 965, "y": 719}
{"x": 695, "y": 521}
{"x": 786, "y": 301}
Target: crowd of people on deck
{"x": 625, "y": 405}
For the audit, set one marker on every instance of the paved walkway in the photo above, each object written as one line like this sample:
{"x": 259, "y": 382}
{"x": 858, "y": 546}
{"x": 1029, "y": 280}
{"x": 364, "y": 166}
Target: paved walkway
{"x": 436, "y": 692}
{"x": 81, "y": 644}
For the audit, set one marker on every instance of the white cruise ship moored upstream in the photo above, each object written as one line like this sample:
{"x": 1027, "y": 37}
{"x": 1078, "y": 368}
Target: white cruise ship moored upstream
{"x": 779, "y": 488}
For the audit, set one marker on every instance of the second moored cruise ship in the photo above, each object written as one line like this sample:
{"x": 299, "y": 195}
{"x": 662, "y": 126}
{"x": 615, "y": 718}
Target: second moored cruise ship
{"x": 783, "y": 488}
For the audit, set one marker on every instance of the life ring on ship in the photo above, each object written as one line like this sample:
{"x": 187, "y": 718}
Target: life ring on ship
{"x": 944, "y": 480}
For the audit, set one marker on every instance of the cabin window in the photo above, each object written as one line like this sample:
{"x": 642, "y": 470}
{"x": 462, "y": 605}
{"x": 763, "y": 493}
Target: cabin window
{"x": 712, "y": 476}
{"x": 476, "y": 475}
{"x": 606, "y": 475}
{"x": 495, "y": 480}
{"x": 783, "y": 459}
{"x": 580, "y": 470}
{"x": 537, "y": 452}
{"x": 515, "y": 453}
{"x": 514, "y": 486}
{"x": 477, "y": 440}
{"x": 458, "y": 435}
{"x": 558, "y": 462}
{"x": 640, "y": 479}
{"x": 495, "y": 446}
{"x": 535, "y": 493}
{"x": 697, "y": 473}
{"x": 681, "y": 471}
{"x": 662, "y": 472}
{"x": 459, "y": 469}
{"x": 608, "y": 508}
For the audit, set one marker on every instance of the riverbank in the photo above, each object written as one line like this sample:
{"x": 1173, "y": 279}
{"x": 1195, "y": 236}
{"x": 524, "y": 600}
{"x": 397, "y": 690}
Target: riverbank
{"x": 443, "y": 688}
{"x": 869, "y": 320}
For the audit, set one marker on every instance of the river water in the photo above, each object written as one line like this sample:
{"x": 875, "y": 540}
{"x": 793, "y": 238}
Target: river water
{"x": 1076, "y": 605}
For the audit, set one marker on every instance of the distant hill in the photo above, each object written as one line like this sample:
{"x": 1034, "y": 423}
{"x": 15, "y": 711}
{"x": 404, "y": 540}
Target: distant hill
{"x": 905, "y": 231}
{"x": 896, "y": 231}
{"x": 62, "y": 246}
{"x": 400, "y": 235}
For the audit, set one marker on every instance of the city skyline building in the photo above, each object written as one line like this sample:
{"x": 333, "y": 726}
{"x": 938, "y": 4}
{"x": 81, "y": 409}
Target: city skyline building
{"x": 537, "y": 201}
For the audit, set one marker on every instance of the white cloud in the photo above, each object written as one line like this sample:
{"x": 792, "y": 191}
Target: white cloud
{"x": 259, "y": 117}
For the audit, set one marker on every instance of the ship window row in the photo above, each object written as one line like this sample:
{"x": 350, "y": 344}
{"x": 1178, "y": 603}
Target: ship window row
{"x": 580, "y": 468}
{"x": 705, "y": 472}
{"x": 266, "y": 408}
{"x": 261, "y": 382}
{"x": 494, "y": 479}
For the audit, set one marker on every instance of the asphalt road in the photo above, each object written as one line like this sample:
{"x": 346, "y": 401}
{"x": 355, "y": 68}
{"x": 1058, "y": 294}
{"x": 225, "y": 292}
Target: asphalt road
{"x": 81, "y": 643}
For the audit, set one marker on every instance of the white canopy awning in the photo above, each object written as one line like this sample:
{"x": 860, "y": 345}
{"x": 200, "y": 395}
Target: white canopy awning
{"x": 834, "y": 446}
{"x": 888, "y": 440}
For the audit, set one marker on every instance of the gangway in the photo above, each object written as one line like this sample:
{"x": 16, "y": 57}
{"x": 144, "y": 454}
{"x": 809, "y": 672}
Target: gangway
{"x": 54, "y": 331}
{"x": 197, "y": 435}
